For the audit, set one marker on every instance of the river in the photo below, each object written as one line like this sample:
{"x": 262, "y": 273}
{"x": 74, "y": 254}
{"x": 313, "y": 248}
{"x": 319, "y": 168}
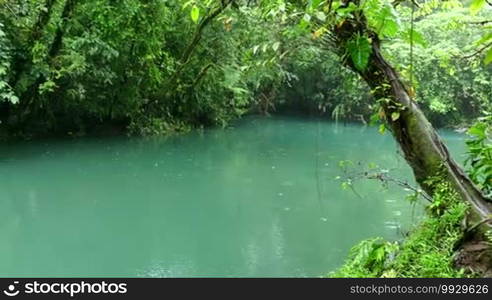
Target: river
{"x": 259, "y": 199}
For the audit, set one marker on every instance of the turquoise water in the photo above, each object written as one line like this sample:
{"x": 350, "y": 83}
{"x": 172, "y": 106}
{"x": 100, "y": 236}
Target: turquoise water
{"x": 259, "y": 199}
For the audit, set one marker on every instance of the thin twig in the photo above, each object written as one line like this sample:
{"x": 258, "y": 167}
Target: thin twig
{"x": 384, "y": 178}
{"x": 478, "y": 51}
{"x": 11, "y": 10}
{"x": 380, "y": 176}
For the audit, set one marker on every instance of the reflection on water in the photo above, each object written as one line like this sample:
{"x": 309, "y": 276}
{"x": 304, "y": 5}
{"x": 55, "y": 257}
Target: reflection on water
{"x": 256, "y": 200}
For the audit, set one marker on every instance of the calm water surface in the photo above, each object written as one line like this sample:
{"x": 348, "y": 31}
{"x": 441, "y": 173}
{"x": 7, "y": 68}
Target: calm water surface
{"x": 225, "y": 202}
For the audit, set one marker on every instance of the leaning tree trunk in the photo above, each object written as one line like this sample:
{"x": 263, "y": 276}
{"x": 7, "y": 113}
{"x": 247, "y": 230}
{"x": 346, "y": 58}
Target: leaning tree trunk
{"x": 422, "y": 147}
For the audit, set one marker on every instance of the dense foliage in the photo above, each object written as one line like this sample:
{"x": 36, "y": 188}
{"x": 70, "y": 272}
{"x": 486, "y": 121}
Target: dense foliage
{"x": 452, "y": 87}
{"x": 427, "y": 252}
{"x": 159, "y": 66}
{"x": 146, "y": 65}
{"x": 479, "y": 160}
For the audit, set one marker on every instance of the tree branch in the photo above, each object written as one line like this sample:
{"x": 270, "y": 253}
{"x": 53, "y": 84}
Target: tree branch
{"x": 200, "y": 75}
{"x": 480, "y": 22}
{"x": 477, "y": 52}
{"x": 197, "y": 36}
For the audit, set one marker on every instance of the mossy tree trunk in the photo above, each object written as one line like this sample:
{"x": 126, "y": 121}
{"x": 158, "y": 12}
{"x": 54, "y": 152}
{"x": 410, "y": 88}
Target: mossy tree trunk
{"x": 420, "y": 143}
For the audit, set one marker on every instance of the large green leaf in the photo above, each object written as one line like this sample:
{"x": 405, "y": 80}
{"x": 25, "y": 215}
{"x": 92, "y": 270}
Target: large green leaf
{"x": 487, "y": 37}
{"x": 382, "y": 18}
{"x": 476, "y": 6}
{"x": 359, "y": 48}
{"x": 478, "y": 130}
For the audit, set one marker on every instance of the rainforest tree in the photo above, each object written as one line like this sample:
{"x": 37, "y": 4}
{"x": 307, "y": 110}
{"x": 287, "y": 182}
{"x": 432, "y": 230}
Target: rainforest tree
{"x": 356, "y": 30}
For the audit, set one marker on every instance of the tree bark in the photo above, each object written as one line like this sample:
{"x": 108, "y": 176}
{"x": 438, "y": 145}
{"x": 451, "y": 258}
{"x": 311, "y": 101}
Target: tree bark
{"x": 422, "y": 147}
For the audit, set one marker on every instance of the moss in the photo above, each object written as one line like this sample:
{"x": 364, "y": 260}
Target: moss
{"x": 426, "y": 252}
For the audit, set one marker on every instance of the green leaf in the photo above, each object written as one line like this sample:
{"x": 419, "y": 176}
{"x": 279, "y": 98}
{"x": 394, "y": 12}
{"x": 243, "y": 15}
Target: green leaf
{"x": 303, "y": 24}
{"x": 321, "y": 16}
{"x": 478, "y": 130}
{"x": 315, "y": 3}
{"x": 382, "y": 18}
{"x": 484, "y": 39}
{"x": 275, "y": 46}
{"x": 382, "y": 128}
{"x": 359, "y": 49}
{"x": 255, "y": 49}
{"x": 488, "y": 57}
{"x": 344, "y": 11}
{"x": 345, "y": 185}
{"x": 14, "y": 99}
{"x": 476, "y": 6}
{"x": 264, "y": 48}
{"x": 195, "y": 13}
{"x": 47, "y": 87}
{"x": 395, "y": 116}
{"x": 415, "y": 36}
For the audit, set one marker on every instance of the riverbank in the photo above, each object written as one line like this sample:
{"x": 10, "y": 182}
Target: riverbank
{"x": 437, "y": 247}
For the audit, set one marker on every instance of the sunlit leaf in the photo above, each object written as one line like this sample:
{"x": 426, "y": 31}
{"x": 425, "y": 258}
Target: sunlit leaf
{"x": 478, "y": 130}
{"x": 255, "y": 49}
{"x": 315, "y": 3}
{"x": 395, "y": 116}
{"x": 275, "y": 46}
{"x": 321, "y": 16}
{"x": 476, "y": 6}
{"x": 488, "y": 57}
{"x": 382, "y": 129}
{"x": 195, "y": 13}
{"x": 13, "y": 99}
{"x": 487, "y": 37}
{"x": 382, "y": 18}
